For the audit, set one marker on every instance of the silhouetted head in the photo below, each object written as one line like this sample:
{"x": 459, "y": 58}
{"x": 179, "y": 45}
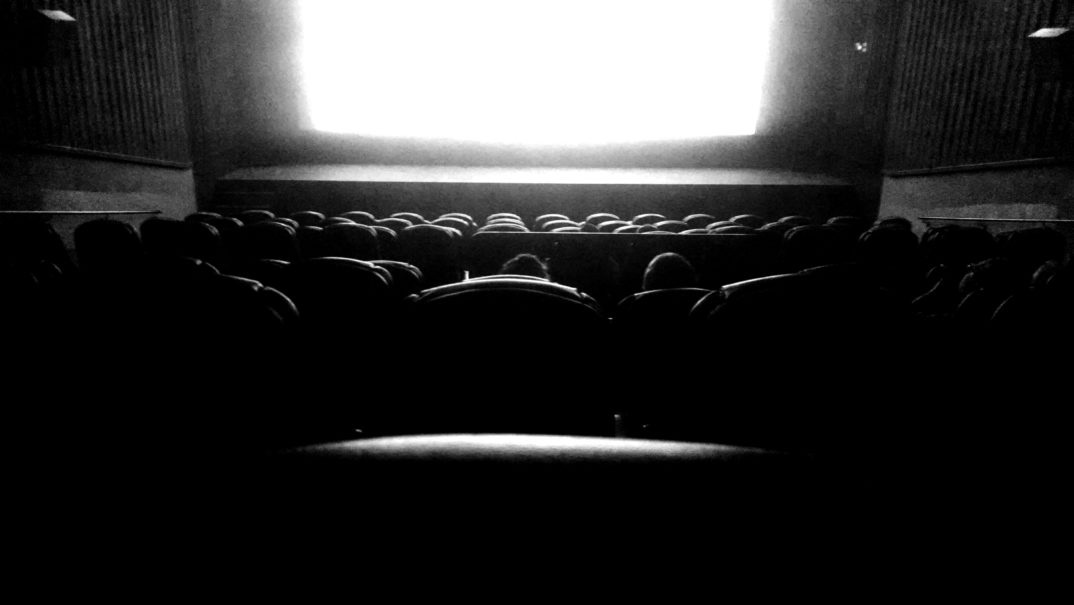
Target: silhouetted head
{"x": 669, "y": 270}
{"x": 525, "y": 264}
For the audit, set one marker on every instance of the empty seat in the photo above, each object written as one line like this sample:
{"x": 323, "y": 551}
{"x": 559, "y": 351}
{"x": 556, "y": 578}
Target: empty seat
{"x": 359, "y": 216}
{"x": 463, "y": 226}
{"x": 628, "y": 228}
{"x": 387, "y": 240}
{"x": 195, "y": 239}
{"x": 657, "y": 312}
{"x": 956, "y": 245}
{"x": 406, "y": 278}
{"x": 718, "y": 224}
{"x": 600, "y": 217}
{"x": 290, "y": 222}
{"x": 434, "y": 250}
{"x": 551, "y": 217}
{"x": 509, "y": 215}
{"x": 812, "y": 246}
{"x": 270, "y": 272}
{"x": 503, "y": 228}
{"x": 776, "y": 229}
{"x": 351, "y": 241}
{"x": 1029, "y": 248}
{"x": 395, "y": 224}
{"x": 311, "y": 241}
{"x": 557, "y": 223}
{"x": 341, "y": 294}
{"x": 611, "y": 226}
{"x": 855, "y": 224}
{"x": 308, "y": 218}
{"x": 748, "y": 220}
{"x": 340, "y": 220}
{"x": 107, "y": 246}
{"x": 734, "y": 230}
{"x": 671, "y": 226}
{"x": 413, "y": 217}
{"x": 202, "y": 216}
{"x": 504, "y": 219}
{"x": 525, "y": 330}
{"x": 897, "y": 222}
{"x": 699, "y": 221}
{"x": 267, "y": 239}
{"x": 250, "y": 217}
{"x": 648, "y": 219}
{"x": 461, "y": 215}
{"x": 796, "y": 220}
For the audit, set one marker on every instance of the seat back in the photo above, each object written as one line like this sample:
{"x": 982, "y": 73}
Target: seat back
{"x": 434, "y": 250}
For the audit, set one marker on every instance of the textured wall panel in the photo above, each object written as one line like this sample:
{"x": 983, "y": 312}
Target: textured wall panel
{"x": 966, "y": 90}
{"x": 118, "y": 91}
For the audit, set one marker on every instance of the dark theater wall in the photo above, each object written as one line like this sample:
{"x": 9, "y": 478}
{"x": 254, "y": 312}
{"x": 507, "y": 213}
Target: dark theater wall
{"x": 978, "y": 128}
{"x": 98, "y": 123}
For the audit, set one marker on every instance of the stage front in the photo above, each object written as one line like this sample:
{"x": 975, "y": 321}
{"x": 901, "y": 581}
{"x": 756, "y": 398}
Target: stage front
{"x": 529, "y": 192}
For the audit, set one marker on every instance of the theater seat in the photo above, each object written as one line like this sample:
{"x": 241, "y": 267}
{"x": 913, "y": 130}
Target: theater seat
{"x": 733, "y": 230}
{"x": 567, "y": 513}
{"x": 657, "y": 312}
{"x": 508, "y": 282}
{"x": 460, "y": 215}
{"x": 202, "y": 216}
{"x": 107, "y": 246}
{"x": 395, "y": 224}
{"x": 611, "y": 226}
{"x": 341, "y": 294}
{"x": 308, "y": 218}
{"x": 413, "y": 217}
{"x": 350, "y": 241}
{"x": 463, "y": 226}
{"x": 507, "y": 227}
{"x": 434, "y": 250}
{"x": 699, "y": 221}
{"x": 360, "y": 216}
{"x": 672, "y": 226}
{"x": 551, "y": 217}
{"x": 406, "y": 278}
{"x": 600, "y": 217}
{"x": 250, "y": 217}
{"x": 267, "y": 239}
{"x": 553, "y": 224}
{"x": 748, "y": 220}
{"x": 648, "y": 219}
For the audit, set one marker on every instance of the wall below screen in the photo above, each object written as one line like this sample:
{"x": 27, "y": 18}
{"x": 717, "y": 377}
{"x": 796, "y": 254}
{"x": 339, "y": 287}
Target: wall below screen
{"x": 432, "y": 191}
{"x": 44, "y": 181}
{"x": 1043, "y": 192}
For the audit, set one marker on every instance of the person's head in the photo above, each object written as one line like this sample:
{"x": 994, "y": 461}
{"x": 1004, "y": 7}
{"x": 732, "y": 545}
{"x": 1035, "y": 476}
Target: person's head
{"x": 669, "y": 270}
{"x": 525, "y": 264}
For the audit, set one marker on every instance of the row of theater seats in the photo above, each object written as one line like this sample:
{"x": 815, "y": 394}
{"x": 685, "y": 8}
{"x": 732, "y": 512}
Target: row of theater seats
{"x": 379, "y": 322}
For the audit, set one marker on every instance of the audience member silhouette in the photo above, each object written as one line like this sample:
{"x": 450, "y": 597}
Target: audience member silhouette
{"x": 669, "y": 270}
{"x": 525, "y": 264}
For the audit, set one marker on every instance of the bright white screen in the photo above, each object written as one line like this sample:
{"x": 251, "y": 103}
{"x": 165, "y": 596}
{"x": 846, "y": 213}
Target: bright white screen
{"x": 535, "y": 71}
